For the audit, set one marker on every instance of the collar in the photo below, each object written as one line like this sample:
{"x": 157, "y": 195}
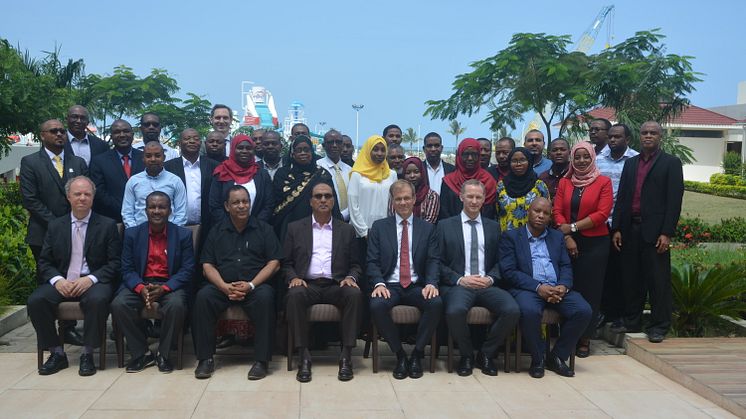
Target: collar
{"x": 52, "y": 155}
{"x": 85, "y": 219}
{"x": 541, "y": 159}
{"x": 652, "y": 156}
{"x": 465, "y": 218}
{"x": 228, "y": 224}
{"x": 399, "y": 219}
{"x": 188, "y": 164}
{"x": 71, "y": 137}
{"x": 163, "y": 170}
{"x": 628, "y": 152}
{"x": 329, "y": 163}
{"x": 270, "y": 167}
{"x": 315, "y": 224}
{"x": 541, "y": 236}
{"x": 551, "y": 171}
{"x": 440, "y": 166}
{"x": 151, "y": 233}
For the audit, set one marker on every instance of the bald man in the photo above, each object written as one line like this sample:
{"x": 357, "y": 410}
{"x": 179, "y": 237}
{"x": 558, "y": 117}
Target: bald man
{"x": 80, "y": 142}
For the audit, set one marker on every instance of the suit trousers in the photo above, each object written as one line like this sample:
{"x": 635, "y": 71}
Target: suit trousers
{"x": 612, "y": 301}
{"x": 324, "y": 291}
{"x": 588, "y": 270}
{"x": 126, "y": 308}
{"x": 42, "y": 309}
{"x": 645, "y": 271}
{"x": 432, "y": 310}
{"x": 459, "y": 300}
{"x": 576, "y": 315}
{"x": 210, "y": 302}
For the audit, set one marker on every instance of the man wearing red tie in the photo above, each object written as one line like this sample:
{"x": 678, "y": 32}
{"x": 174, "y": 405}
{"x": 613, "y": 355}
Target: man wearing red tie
{"x": 403, "y": 269}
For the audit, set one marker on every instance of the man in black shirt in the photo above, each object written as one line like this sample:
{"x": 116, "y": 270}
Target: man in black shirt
{"x": 240, "y": 255}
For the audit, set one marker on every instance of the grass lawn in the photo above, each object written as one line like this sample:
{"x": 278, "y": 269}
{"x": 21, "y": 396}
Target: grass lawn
{"x": 710, "y": 208}
{"x": 707, "y": 257}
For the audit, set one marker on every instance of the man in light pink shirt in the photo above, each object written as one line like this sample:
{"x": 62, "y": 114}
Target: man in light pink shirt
{"x": 322, "y": 266}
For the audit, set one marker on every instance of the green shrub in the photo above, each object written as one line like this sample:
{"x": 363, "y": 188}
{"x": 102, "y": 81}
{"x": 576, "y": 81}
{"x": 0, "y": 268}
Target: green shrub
{"x": 732, "y": 230}
{"x": 17, "y": 266}
{"x": 724, "y": 179}
{"x": 692, "y": 231}
{"x": 729, "y": 191}
{"x": 732, "y": 163}
{"x": 709, "y": 257}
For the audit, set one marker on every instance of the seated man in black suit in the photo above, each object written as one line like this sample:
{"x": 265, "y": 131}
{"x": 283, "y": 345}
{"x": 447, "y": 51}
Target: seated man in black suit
{"x": 403, "y": 269}
{"x": 111, "y": 170}
{"x": 322, "y": 265}
{"x": 157, "y": 266}
{"x": 80, "y": 262}
{"x": 537, "y": 269}
{"x": 469, "y": 273}
{"x": 240, "y": 255}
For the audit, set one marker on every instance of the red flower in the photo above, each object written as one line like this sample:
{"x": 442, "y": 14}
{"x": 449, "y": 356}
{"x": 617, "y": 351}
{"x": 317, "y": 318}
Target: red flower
{"x": 688, "y": 236}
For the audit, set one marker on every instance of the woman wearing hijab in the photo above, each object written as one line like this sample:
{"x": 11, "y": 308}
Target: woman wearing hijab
{"x": 241, "y": 169}
{"x": 427, "y": 201}
{"x": 518, "y": 190}
{"x": 581, "y": 208}
{"x": 293, "y": 184}
{"x": 467, "y": 167}
{"x": 368, "y": 191}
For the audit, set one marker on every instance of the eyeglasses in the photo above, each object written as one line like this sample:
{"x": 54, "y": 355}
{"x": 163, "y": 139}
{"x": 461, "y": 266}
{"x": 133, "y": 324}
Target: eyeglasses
{"x": 320, "y": 196}
{"x": 54, "y": 130}
{"x": 519, "y": 161}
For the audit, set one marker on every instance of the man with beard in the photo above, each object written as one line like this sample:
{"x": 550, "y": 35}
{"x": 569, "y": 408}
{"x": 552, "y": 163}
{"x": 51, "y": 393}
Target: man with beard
{"x": 534, "y": 142}
{"x": 598, "y": 132}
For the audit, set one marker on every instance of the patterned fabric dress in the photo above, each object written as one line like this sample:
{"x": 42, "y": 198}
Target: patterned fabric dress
{"x": 513, "y": 212}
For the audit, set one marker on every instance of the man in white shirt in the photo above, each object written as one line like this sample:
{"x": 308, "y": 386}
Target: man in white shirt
{"x": 436, "y": 168}
{"x": 339, "y": 170}
{"x": 79, "y": 142}
{"x": 221, "y": 118}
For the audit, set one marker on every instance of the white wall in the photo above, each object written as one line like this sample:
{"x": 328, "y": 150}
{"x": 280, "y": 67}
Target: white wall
{"x": 709, "y": 154}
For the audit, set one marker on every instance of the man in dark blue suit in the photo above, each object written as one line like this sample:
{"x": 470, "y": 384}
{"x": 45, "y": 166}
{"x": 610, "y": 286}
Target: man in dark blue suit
{"x": 469, "y": 275}
{"x": 111, "y": 170}
{"x": 537, "y": 268}
{"x": 403, "y": 269}
{"x": 157, "y": 266}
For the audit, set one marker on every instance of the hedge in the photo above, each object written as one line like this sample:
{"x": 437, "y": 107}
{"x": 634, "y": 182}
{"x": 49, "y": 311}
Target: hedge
{"x": 17, "y": 267}
{"x": 729, "y": 191}
{"x": 692, "y": 231}
{"x": 724, "y": 179}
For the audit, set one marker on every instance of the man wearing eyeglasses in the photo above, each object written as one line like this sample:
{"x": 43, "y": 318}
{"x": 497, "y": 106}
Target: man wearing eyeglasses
{"x": 150, "y": 128}
{"x": 322, "y": 265}
{"x": 80, "y": 142}
{"x": 598, "y": 132}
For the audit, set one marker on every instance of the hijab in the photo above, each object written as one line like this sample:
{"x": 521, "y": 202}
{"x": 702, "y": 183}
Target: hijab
{"x": 423, "y": 188}
{"x": 455, "y": 179}
{"x": 581, "y": 179}
{"x": 299, "y": 168}
{"x": 365, "y": 165}
{"x": 230, "y": 169}
{"x": 517, "y": 186}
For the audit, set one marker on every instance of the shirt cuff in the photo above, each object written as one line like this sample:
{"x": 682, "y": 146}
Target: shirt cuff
{"x": 492, "y": 280}
{"x": 138, "y": 288}
{"x": 93, "y": 278}
{"x": 380, "y": 283}
{"x": 55, "y": 279}
{"x": 353, "y": 278}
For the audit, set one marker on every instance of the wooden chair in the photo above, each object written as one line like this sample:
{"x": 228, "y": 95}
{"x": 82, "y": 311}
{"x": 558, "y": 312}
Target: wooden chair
{"x": 549, "y": 317}
{"x": 316, "y": 313}
{"x": 478, "y": 316}
{"x": 70, "y": 310}
{"x": 404, "y": 314}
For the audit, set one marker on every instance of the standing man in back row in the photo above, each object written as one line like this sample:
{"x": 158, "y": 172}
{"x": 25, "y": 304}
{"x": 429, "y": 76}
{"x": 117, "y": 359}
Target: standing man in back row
{"x": 436, "y": 167}
{"x": 150, "y": 128}
{"x": 339, "y": 170}
{"x": 534, "y": 142}
{"x": 221, "y": 118}
{"x": 80, "y": 142}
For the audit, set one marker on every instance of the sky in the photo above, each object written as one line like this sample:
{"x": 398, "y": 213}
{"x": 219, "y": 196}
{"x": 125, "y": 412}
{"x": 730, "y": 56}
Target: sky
{"x": 390, "y": 56}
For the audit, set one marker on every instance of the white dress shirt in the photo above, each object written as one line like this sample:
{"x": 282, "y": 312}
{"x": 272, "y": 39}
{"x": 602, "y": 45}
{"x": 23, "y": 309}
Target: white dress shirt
{"x": 435, "y": 176}
{"x": 81, "y": 148}
{"x": 193, "y": 180}
{"x": 345, "y": 170}
{"x": 168, "y": 151}
{"x": 251, "y": 187}
{"x": 466, "y": 228}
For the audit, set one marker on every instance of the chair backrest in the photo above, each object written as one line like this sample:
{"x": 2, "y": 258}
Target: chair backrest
{"x": 196, "y": 230}
{"x": 120, "y": 227}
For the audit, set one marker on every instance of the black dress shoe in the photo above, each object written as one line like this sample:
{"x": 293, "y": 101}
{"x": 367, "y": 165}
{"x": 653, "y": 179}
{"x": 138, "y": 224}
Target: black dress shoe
{"x": 415, "y": 365}
{"x": 54, "y": 363}
{"x": 536, "y": 369}
{"x": 87, "y": 367}
{"x": 71, "y": 336}
{"x": 139, "y": 364}
{"x": 225, "y": 341}
{"x": 656, "y": 337}
{"x": 559, "y": 366}
{"x": 486, "y": 364}
{"x": 401, "y": 371}
{"x": 164, "y": 365}
{"x": 258, "y": 371}
{"x": 304, "y": 371}
{"x": 345, "y": 370}
{"x": 205, "y": 368}
{"x": 465, "y": 366}
{"x": 583, "y": 348}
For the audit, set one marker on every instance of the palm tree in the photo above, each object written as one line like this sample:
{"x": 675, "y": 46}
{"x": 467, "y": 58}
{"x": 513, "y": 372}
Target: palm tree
{"x": 410, "y": 137}
{"x": 456, "y": 129}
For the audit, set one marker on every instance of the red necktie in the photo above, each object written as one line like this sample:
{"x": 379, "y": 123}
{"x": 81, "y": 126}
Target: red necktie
{"x": 126, "y": 166}
{"x": 405, "y": 273}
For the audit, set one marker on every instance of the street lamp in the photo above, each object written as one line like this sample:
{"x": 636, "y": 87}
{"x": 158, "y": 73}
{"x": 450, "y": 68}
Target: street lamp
{"x": 357, "y": 109}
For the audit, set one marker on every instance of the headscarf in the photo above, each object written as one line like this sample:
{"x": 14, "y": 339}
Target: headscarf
{"x": 296, "y": 167}
{"x": 423, "y": 188}
{"x": 517, "y": 186}
{"x": 581, "y": 179}
{"x": 365, "y": 165}
{"x": 455, "y": 179}
{"x": 230, "y": 169}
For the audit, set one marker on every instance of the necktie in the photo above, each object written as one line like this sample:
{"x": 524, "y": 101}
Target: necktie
{"x": 126, "y": 165}
{"x": 405, "y": 273}
{"x": 474, "y": 254}
{"x": 76, "y": 252}
{"x": 58, "y": 165}
{"x": 341, "y": 188}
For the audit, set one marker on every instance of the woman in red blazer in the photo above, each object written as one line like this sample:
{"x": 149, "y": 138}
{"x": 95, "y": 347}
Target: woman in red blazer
{"x": 581, "y": 207}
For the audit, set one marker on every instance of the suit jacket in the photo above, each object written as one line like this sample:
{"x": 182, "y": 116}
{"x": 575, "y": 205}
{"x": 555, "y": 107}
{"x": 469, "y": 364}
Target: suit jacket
{"x": 383, "y": 251}
{"x": 447, "y": 167}
{"x": 660, "y": 199}
{"x": 262, "y": 206}
{"x": 44, "y": 191}
{"x": 451, "y": 239}
{"x": 107, "y": 173}
{"x": 595, "y": 202}
{"x": 135, "y": 256}
{"x": 516, "y": 263}
{"x": 298, "y": 247}
{"x": 98, "y": 146}
{"x": 206, "y": 167}
{"x": 102, "y": 249}
{"x": 451, "y": 205}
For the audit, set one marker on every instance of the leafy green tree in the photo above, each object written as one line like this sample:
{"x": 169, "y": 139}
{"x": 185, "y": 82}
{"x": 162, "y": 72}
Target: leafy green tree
{"x": 410, "y": 137}
{"x": 456, "y": 129}
{"x": 194, "y": 112}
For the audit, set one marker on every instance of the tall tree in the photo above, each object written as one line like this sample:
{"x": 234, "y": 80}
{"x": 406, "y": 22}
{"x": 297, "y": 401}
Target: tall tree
{"x": 192, "y": 112}
{"x": 456, "y": 129}
{"x": 410, "y": 137}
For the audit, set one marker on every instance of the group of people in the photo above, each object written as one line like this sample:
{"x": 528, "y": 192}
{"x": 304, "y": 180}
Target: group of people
{"x": 585, "y": 231}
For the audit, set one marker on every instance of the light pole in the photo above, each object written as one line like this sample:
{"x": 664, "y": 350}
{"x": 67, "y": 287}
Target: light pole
{"x": 357, "y": 109}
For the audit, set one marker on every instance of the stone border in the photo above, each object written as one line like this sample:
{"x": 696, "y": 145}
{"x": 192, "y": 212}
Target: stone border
{"x": 13, "y": 317}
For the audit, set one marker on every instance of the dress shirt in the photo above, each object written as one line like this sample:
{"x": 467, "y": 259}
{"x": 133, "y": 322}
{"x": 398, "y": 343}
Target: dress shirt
{"x": 368, "y": 201}
{"x": 643, "y": 168}
{"x": 193, "y": 179}
{"x": 81, "y": 148}
{"x": 345, "y": 169}
{"x": 551, "y": 179}
{"x": 321, "y": 253}
{"x": 140, "y": 185}
{"x": 251, "y": 188}
{"x": 543, "y": 165}
{"x": 52, "y": 156}
{"x": 168, "y": 151}
{"x": 84, "y": 270}
{"x": 228, "y": 146}
{"x": 273, "y": 169}
{"x": 466, "y": 229}
{"x": 540, "y": 262}
{"x": 613, "y": 169}
{"x": 394, "y": 278}
{"x": 435, "y": 176}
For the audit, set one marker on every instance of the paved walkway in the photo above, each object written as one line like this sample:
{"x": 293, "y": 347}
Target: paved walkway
{"x": 605, "y": 386}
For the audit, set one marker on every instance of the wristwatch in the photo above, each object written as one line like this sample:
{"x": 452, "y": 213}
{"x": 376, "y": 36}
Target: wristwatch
{"x": 574, "y": 228}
